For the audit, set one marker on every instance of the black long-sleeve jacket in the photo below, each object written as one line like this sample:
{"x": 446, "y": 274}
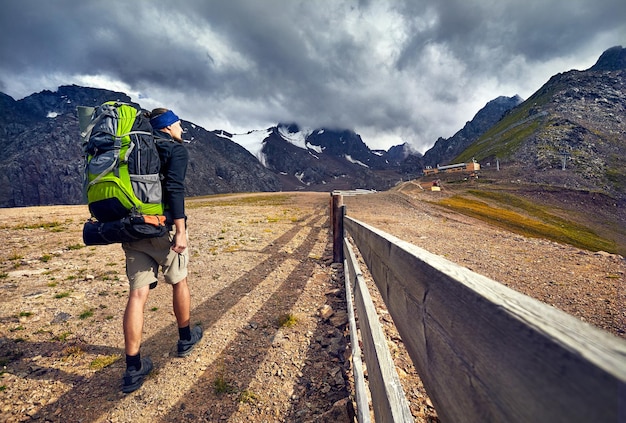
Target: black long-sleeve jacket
{"x": 174, "y": 159}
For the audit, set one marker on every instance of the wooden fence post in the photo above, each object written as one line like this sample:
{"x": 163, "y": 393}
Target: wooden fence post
{"x": 337, "y": 213}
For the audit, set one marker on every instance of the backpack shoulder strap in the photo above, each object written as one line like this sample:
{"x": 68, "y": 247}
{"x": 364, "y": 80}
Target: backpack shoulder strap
{"x": 127, "y": 111}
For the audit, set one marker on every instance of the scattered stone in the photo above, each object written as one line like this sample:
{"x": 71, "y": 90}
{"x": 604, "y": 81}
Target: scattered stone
{"x": 341, "y": 412}
{"x": 335, "y": 292}
{"x": 336, "y": 346}
{"x": 326, "y": 311}
{"x": 61, "y": 317}
{"x": 339, "y": 319}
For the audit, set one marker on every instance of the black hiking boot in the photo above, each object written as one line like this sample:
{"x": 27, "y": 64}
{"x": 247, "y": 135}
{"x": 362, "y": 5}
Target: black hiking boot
{"x": 133, "y": 379}
{"x": 185, "y": 347}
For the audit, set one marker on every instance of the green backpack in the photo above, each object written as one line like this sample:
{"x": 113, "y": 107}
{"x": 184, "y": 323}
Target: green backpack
{"x": 121, "y": 162}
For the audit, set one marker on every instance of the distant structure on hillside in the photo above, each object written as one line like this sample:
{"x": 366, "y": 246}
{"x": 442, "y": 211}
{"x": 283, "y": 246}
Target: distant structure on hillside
{"x": 472, "y": 167}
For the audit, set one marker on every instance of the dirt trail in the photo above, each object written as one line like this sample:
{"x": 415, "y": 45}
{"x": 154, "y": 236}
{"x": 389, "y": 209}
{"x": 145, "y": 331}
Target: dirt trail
{"x": 251, "y": 264}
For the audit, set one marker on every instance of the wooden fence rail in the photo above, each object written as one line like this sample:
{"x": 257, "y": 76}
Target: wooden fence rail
{"x": 485, "y": 353}
{"x": 388, "y": 399}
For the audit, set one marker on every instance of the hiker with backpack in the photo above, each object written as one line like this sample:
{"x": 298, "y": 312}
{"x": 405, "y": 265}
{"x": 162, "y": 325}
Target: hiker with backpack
{"x": 135, "y": 171}
{"x": 170, "y": 252}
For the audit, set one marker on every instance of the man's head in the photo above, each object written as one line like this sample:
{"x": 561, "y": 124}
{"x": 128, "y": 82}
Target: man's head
{"x": 165, "y": 120}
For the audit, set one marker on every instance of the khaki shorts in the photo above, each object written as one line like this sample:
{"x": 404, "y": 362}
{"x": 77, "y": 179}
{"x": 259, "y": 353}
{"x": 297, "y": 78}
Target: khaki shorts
{"x": 144, "y": 257}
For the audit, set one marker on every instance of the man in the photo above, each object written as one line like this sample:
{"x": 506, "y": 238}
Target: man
{"x": 170, "y": 252}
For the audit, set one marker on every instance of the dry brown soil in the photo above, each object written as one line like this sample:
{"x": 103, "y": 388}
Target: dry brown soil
{"x": 255, "y": 258}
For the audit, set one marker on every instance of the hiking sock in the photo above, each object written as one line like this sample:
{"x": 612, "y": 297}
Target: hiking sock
{"x": 184, "y": 333}
{"x": 133, "y": 362}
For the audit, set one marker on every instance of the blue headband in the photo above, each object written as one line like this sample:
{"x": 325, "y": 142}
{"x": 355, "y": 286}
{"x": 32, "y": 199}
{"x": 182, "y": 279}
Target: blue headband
{"x": 163, "y": 120}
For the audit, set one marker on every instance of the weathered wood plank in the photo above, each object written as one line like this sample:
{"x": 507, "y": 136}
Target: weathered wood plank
{"x": 486, "y": 352}
{"x": 388, "y": 399}
{"x": 361, "y": 400}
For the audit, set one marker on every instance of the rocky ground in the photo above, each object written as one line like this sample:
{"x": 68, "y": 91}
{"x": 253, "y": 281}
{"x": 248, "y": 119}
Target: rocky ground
{"x": 268, "y": 296}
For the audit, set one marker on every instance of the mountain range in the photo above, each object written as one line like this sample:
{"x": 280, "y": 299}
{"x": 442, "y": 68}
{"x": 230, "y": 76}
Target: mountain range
{"x": 576, "y": 118}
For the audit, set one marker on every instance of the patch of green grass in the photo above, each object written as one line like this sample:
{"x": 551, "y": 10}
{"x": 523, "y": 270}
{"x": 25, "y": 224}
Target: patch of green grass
{"x": 42, "y": 225}
{"x": 75, "y": 246}
{"x": 501, "y": 145}
{"x": 287, "y": 320}
{"x": 64, "y": 294}
{"x": 25, "y": 314}
{"x": 534, "y": 222}
{"x": 86, "y": 314}
{"x": 73, "y": 351}
{"x": 100, "y": 363}
{"x": 45, "y": 258}
{"x": 62, "y": 337}
{"x": 248, "y": 397}
{"x": 221, "y": 386}
{"x": 231, "y": 248}
{"x": 4, "y": 275}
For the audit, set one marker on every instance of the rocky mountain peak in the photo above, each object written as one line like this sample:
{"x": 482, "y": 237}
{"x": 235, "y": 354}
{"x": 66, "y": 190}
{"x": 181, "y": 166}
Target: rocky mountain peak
{"x": 611, "y": 60}
{"x": 446, "y": 150}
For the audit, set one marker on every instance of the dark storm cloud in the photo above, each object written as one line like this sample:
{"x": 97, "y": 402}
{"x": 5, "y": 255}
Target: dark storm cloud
{"x": 534, "y": 29}
{"x": 395, "y": 71}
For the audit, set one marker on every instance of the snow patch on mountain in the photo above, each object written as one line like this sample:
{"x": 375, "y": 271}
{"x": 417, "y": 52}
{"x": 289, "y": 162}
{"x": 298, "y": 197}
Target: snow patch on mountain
{"x": 299, "y": 139}
{"x": 253, "y": 142}
{"x": 317, "y": 148}
{"x": 296, "y": 138}
{"x": 355, "y": 161}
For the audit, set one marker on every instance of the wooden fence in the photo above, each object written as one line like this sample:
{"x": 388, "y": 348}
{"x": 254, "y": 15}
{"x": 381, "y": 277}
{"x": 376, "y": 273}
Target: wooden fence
{"x": 484, "y": 352}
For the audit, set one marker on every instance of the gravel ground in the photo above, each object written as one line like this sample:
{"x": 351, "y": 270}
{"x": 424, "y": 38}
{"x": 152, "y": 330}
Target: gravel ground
{"x": 255, "y": 259}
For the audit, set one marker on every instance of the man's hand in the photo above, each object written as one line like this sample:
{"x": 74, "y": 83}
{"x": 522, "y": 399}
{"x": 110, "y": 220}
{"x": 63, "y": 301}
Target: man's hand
{"x": 180, "y": 237}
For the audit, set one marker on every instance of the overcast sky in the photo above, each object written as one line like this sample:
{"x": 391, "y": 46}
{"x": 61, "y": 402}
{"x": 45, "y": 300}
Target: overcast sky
{"x": 393, "y": 71}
